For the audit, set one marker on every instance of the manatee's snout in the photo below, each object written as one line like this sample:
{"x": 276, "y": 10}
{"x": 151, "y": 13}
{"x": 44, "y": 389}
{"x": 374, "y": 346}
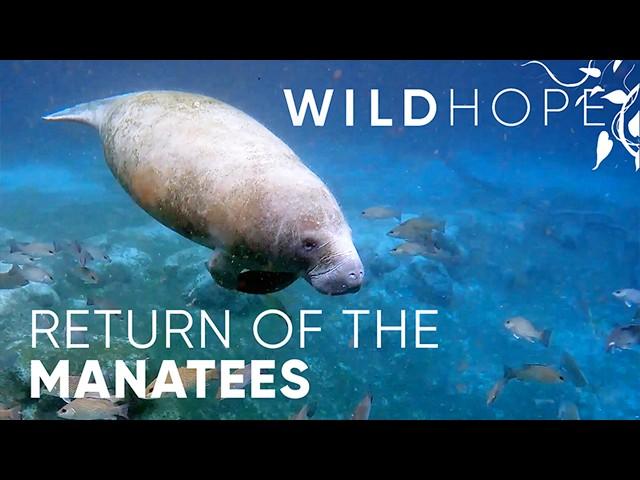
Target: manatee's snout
{"x": 345, "y": 277}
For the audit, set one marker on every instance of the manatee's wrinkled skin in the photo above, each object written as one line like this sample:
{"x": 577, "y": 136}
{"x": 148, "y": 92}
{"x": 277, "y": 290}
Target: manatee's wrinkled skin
{"x": 220, "y": 178}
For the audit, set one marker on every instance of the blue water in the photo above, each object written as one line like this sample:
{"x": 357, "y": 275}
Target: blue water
{"x": 545, "y": 236}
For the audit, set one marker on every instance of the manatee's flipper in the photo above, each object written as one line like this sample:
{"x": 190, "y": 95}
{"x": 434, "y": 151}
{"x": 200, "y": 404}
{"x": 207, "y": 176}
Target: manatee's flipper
{"x": 223, "y": 270}
{"x": 261, "y": 282}
{"x": 231, "y": 273}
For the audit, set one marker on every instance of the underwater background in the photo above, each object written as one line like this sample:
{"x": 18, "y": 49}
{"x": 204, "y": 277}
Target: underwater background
{"x": 543, "y": 237}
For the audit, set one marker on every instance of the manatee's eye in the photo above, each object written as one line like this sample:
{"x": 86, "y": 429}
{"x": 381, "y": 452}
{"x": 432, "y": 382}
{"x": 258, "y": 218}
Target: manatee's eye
{"x": 508, "y": 322}
{"x": 309, "y": 244}
{"x": 618, "y": 292}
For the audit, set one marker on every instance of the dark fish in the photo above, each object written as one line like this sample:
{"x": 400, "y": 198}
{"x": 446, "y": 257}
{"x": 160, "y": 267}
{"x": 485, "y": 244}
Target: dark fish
{"x": 623, "y": 338}
{"x": 571, "y": 367}
{"x": 534, "y": 372}
{"x": 305, "y": 412}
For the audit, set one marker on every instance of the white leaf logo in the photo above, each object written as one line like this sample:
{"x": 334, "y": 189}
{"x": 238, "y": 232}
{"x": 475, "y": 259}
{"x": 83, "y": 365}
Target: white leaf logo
{"x": 626, "y": 134}
{"x": 634, "y": 125}
{"x": 605, "y": 145}
{"x": 592, "y": 72}
{"x": 617, "y": 96}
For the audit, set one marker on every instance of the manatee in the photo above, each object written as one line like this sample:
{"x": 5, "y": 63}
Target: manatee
{"x": 218, "y": 177}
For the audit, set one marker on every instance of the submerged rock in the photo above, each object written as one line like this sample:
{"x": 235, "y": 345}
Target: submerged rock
{"x": 38, "y": 295}
{"x": 431, "y": 282}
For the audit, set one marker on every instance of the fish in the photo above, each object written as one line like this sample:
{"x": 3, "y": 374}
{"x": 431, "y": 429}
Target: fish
{"x": 81, "y": 255}
{"x": 571, "y": 367}
{"x": 417, "y": 229}
{"x": 440, "y": 254}
{"x": 12, "y": 279}
{"x": 534, "y": 372}
{"x": 363, "y": 409}
{"x": 410, "y": 249}
{"x": 17, "y": 258}
{"x": 87, "y": 275}
{"x": 306, "y": 412}
{"x": 36, "y": 274}
{"x": 246, "y": 379}
{"x": 496, "y": 390}
{"x": 381, "y": 213}
{"x": 13, "y": 413}
{"x": 623, "y": 338}
{"x": 520, "y": 327}
{"x": 568, "y": 411}
{"x": 630, "y": 296}
{"x": 33, "y": 249}
{"x": 188, "y": 377}
{"x": 93, "y": 409}
{"x": 97, "y": 253}
{"x": 101, "y": 304}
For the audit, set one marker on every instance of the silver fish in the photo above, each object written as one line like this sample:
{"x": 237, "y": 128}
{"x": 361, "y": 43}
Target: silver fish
{"x": 13, "y": 413}
{"x": 34, "y": 249}
{"x": 568, "y": 411}
{"x": 92, "y": 409}
{"x": 363, "y": 409}
{"x": 381, "y": 213}
{"x": 36, "y": 274}
{"x": 630, "y": 296}
{"x": 87, "y": 275}
{"x": 97, "y": 253}
{"x": 17, "y": 258}
{"x": 12, "y": 279}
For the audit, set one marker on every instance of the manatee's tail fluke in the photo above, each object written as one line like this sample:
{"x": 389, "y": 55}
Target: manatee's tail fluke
{"x": 90, "y": 113}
